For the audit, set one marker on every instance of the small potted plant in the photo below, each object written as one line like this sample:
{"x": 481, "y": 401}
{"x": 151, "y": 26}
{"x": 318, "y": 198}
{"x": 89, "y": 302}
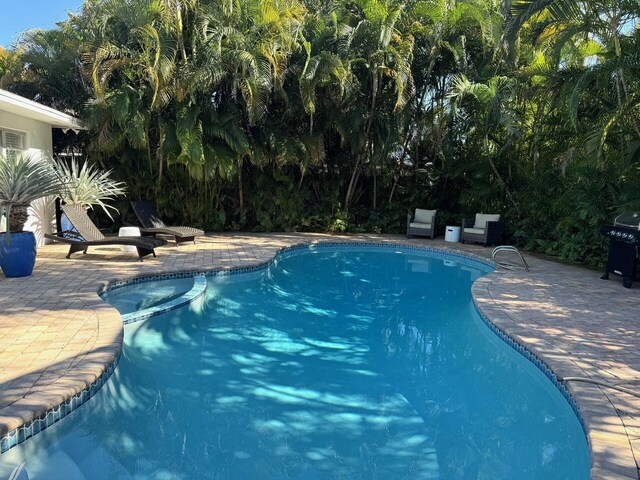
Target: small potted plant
{"x": 23, "y": 179}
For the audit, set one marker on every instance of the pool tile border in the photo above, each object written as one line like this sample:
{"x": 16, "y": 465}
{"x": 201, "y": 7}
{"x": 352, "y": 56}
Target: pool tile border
{"x": 57, "y": 413}
{"x": 119, "y": 283}
{"x": 537, "y": 362}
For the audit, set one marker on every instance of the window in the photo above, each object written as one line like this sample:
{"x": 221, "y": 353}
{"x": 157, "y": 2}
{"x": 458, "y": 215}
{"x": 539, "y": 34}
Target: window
{"x": 12, "y": 142}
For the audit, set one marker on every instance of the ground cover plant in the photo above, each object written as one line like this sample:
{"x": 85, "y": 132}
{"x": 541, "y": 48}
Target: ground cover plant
{"x": 341, "y": 115}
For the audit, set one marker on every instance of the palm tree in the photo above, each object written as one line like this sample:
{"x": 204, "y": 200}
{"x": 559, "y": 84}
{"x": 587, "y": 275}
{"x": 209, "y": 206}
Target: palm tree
{"x": 587, "y": 37}
{"x": 487, "y": 117}
{"x": 379, "y": 55}
{"x": 44, "y": 67}
{"x": 248, "y": 46}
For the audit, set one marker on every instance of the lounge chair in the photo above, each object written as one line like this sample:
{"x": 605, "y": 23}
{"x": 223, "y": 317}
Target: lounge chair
{"x": 422, "y": 223}
{"x": 484, "y": 228}
{"x": 87, "y": 235}
{"x": 152, "y": 224}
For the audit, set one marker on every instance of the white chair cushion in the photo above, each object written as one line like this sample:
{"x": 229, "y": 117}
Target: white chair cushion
{"x": 474, "y": 231}
{"x": 425, "y": 226}
{"x": 483, "y": 218}
{"x": 424, "y": 216}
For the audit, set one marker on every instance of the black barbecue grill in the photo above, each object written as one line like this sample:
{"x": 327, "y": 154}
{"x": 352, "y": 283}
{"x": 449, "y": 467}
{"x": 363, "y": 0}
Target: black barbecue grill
{"x": 624, "y": 239}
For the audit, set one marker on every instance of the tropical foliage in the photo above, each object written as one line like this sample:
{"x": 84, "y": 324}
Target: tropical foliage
{"x": 87, "y": 185}
{"x": 23, "y": 179}
{"x": 343, "y": 115}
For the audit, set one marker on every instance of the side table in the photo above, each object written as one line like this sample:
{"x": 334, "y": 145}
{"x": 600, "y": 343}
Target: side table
{"x": 452, "y": 234}
{"x": 128, "y": 232}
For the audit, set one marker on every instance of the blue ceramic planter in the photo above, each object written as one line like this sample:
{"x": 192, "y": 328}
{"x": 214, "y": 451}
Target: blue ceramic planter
{"x": 18, "y": 257}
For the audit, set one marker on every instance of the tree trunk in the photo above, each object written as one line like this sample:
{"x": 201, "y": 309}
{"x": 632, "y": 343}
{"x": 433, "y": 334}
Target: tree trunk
{"x": 356, "y": 171}
{"x": 160, "y": 167}
{"x": 502, "y": 182}
{"x": 375, "y": 189}
{"x": 18, "y": 217}
{"x": 183, "y": 51}
{"x": 352, "y": 185}
{"x": 497, "y": 173}
{"x": 393, "y": 188}
{"x": 149, "y": 157}
{"x": 240, "y": 192}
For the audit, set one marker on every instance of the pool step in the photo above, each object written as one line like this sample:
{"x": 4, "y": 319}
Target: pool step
{"x": 198, "y": 289}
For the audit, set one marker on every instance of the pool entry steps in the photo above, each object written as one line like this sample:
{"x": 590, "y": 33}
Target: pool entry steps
{"x": 53, "y": 415}
{"x": 198, "y": 289}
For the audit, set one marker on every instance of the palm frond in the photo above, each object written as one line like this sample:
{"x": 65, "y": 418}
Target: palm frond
{"x": 23, "y": 179}
{"x": 87, "y": 185}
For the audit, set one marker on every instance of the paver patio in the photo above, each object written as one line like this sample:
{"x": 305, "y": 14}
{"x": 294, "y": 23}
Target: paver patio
{"x": 57, "y": 336}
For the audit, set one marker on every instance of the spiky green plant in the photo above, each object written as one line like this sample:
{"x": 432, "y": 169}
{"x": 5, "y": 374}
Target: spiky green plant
{"x": 87, "y": 185}
{"x": 23, "y": 179}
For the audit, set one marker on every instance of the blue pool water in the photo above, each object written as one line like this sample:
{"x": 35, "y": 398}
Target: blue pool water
{"x": 350, "y": 363}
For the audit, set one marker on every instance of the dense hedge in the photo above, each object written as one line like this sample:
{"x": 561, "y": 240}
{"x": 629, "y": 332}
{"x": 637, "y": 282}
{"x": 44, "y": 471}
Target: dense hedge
{"x": 272, "y": 115}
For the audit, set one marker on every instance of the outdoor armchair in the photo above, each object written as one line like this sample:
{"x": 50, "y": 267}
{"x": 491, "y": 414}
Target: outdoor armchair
{"x": 86, "y": 235}
{"x": 484, "y": 228}
{"x": 422, "y": 223}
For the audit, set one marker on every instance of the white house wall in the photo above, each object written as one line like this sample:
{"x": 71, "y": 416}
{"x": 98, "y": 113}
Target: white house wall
{"x": 39, "y": 143}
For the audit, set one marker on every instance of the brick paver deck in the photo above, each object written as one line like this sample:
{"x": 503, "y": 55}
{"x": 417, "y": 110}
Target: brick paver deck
{"x": 57, "y": 336}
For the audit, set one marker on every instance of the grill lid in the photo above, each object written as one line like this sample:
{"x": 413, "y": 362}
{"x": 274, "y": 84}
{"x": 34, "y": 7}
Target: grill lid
{"x": 629, "y": 220}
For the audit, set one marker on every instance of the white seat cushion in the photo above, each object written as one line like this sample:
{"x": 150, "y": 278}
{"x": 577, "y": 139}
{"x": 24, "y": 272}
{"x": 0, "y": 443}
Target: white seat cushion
{"x": 483, "y": 218}
{"x": 424, "y": 216}
{"x": 474, "y": 231}
{"x": 425, "y": 226}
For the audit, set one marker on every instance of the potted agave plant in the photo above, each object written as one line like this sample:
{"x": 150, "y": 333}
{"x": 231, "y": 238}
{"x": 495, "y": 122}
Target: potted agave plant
{"x": 23, "y": 179}
{"x": 88, "y": 186}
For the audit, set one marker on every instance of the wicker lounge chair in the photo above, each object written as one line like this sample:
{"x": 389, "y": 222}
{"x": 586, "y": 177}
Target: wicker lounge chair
{"x": 152, "y": 224}
{"x": 484, "y": 228}
{"x": 422, "y": 223}
{"x": 87, "y": 235}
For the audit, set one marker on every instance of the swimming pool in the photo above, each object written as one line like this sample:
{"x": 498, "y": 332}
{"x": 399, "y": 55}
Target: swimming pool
{"x": 334, "y": 362}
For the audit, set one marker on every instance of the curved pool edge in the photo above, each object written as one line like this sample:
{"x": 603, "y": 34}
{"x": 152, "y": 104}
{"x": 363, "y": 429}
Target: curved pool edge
{"x": 29, "y": 415}
{"x": 526, "y": 352}
{"x": 106, "y": 353}
{"x": 589, "y": 401}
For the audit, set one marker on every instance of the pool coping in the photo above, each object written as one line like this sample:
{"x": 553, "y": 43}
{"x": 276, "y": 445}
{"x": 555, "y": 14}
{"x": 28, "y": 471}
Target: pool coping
{"x": 600, "y": 441}
{"x": 600, "y": 467}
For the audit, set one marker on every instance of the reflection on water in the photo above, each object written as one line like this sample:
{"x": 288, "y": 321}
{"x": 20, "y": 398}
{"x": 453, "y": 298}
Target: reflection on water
{"x": 333, "y": 364}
